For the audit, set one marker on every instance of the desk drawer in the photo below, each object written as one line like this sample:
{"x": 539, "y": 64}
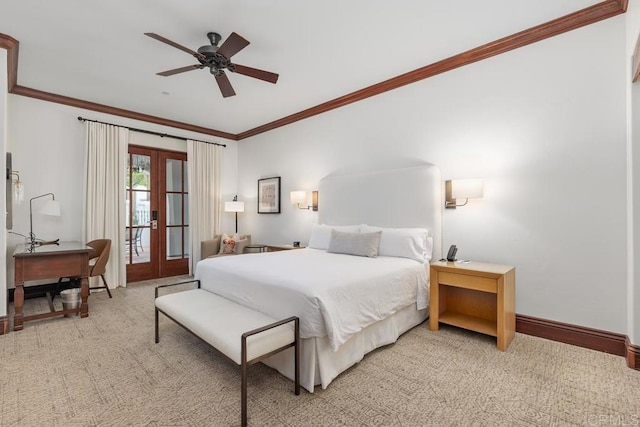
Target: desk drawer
{"x": 469, "y": 282}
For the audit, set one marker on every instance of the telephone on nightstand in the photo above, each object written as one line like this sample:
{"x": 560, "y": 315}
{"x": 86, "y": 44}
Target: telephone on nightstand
{"x": 451, "y": 255}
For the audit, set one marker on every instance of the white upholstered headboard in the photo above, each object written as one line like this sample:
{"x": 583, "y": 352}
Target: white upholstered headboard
{"x": 406, "y": 197}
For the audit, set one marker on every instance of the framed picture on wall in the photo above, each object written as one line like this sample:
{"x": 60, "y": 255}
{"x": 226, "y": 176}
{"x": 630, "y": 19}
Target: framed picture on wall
{"x": 269, "y": 195}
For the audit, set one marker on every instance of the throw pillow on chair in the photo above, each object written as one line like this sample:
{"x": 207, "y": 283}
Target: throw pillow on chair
{"x": 228, "y": 245}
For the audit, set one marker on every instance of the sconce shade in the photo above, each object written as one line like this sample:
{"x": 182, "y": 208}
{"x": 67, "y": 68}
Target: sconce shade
{"x": 467, "y": 188}
{"x": 234, "y": 206}
{"x": 50, "y": 207}
{"x": 298, "y": 197}
{"x": 459, "y": 189}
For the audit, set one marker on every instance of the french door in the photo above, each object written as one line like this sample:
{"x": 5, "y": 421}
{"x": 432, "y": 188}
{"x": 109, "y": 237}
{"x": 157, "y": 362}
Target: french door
{"x": 157, "y": 215}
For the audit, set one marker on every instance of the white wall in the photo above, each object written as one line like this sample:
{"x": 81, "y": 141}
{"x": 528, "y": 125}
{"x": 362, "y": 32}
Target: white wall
{"x": 543, "y": 125}
{"x": 3, "y": 142}
{"x": 48, "y": 146}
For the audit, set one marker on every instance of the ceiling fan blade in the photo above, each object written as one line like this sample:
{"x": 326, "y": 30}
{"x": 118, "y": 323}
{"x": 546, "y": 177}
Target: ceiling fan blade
{"x": 232, "y": 45}
{"x": 180, "y": 70}
{"x": 225, "y": 85}
{"x": 256, "y": 73}
{"x": 174, "y": 44}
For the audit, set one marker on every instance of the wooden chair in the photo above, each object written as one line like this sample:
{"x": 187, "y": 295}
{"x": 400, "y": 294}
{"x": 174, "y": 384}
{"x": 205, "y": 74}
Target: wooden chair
{"x": 98, "y": 259}
{"x": 101, "y": 250}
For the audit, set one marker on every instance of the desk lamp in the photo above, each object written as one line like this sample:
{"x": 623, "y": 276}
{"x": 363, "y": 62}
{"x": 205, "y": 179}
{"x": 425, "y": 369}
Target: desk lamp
{"x": 51, "y": 207}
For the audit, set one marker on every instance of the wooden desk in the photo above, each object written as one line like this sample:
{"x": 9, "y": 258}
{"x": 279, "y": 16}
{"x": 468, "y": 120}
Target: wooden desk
{"x": 68, "y": 259}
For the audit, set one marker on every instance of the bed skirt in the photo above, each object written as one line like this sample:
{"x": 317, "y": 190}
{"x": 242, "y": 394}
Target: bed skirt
{"x": 319, "y": 365}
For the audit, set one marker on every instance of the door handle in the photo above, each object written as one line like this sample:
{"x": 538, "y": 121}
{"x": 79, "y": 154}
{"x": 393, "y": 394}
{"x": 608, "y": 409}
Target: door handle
{"x": 154, "y": 220}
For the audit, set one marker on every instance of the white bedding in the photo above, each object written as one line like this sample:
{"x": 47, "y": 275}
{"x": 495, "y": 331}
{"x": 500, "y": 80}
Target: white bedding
{"x": 334, "y": 295}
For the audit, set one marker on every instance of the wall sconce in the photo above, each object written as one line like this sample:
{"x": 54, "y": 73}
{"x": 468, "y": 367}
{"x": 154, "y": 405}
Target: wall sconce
{"x": 234, "y": 206}
{"x": 18, "y": 188}
{"x": 462, "y": 189}
{"x": 52, "y": 208}
{"x": 300, "y": 198}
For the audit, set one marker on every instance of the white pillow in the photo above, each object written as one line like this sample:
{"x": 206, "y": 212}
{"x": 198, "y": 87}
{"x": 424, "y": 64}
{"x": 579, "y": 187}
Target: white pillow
{"x": 321, "y": 234}
{"x": 414, "y": 243}
{"x": 360, "y": 244}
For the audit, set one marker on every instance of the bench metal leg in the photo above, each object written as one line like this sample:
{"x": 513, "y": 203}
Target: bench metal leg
{"x": 296, "y": 357}
{"x": 157, "y": 332}
{"x": 243, "y": 393}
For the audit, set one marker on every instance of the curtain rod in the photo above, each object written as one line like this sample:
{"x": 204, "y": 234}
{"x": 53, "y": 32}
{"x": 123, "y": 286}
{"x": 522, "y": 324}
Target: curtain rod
{"x": 150, "y": 132}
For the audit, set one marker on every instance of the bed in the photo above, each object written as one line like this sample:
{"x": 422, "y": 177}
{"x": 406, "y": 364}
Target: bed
{"x": 348, "y": 305}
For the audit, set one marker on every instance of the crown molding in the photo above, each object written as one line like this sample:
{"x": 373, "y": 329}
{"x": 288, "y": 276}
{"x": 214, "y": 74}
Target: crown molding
{"x": 558, "y": 26}
{"x": 12, "y": 46}
{"x": 572, "y": 21}
{"x": 79, "y": 103}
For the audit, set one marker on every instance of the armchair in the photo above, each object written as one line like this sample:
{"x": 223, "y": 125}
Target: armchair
{"x": 211, "y": 248}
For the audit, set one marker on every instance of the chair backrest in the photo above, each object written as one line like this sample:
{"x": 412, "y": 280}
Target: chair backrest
{"x": 101, "y": 249}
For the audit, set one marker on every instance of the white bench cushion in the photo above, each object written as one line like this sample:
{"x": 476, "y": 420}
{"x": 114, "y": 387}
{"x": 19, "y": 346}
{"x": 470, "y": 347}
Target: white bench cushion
{"x": 221, "y": 323}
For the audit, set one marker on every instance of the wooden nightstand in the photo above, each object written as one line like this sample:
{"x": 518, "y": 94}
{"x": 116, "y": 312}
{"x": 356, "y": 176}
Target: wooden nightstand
{"x": 476, "y": 296}
{"x": 275, "y": 248}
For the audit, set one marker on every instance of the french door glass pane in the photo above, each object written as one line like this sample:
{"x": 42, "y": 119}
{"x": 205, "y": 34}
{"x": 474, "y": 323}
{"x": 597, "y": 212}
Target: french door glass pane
{"x": 186, "y": 180}
{"x": 140, "y": 245}
{"x": 141, "y": 208}
{"x": 174, "y": 209}
{"x": 174, "y": 175}
{"x": 141, "y": 171}
{"x": 128, "y": 213}
{"x": 186, "y": 209}
{"x": 186, "y": 241}
{"x": 174, "y": 242}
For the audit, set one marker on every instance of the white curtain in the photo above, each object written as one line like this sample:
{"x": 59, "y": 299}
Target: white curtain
{"x": 205, "y": 199}
{"x": 105, "y": 194}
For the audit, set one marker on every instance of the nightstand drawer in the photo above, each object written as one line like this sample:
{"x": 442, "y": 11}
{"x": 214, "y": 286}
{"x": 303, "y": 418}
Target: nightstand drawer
{"x": 469, "y": 282}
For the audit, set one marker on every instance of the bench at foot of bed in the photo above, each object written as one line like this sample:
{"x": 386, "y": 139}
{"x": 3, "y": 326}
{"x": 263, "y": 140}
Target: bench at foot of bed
{"x": 242, "y": 334}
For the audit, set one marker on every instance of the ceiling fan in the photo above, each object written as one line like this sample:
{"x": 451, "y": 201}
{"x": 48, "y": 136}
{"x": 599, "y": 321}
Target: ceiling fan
{"x": 217, "y": 59}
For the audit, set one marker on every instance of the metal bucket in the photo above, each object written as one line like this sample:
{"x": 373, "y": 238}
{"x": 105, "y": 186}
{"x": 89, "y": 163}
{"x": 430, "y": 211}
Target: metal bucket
{"x": 70, "y": 299}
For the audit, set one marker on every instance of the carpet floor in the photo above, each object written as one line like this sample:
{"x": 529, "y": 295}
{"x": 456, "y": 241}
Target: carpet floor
{"x": 106, "y": 370}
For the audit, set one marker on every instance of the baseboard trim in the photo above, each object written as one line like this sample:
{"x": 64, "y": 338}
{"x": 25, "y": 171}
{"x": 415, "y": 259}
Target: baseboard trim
{"x": 594, "y": 339}
{"x": 633, "y": 355}
{"x": 4, "y": 325}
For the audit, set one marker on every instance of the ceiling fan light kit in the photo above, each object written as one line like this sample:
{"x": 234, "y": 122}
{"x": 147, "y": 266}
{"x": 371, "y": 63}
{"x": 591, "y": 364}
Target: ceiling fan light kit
{"x": 217, "y": 59}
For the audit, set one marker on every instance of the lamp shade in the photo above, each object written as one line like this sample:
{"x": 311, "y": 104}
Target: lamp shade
{"x": 234, "y": 206}
{"x": 467, "y": 188}
{"x": 50, "y": 207}
{"x": 298, "y": 197}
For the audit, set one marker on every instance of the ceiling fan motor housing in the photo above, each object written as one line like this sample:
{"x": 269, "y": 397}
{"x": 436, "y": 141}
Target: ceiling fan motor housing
{"x": 214, "y": 38}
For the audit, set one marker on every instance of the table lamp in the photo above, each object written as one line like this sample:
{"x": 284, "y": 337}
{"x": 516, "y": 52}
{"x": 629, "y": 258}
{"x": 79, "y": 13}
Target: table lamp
{"x": 234, "y": 206}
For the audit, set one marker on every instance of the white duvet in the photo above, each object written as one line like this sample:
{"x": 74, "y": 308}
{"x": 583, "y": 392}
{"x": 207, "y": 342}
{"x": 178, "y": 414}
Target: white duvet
{"x": 334, "y": 295}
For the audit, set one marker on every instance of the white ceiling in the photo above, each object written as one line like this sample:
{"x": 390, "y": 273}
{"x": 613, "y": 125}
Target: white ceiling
{"x": 95, "y": 50}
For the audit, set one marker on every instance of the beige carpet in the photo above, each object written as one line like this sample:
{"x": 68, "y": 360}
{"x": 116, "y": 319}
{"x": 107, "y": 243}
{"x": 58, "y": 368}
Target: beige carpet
{"x": 106, "y": 370}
